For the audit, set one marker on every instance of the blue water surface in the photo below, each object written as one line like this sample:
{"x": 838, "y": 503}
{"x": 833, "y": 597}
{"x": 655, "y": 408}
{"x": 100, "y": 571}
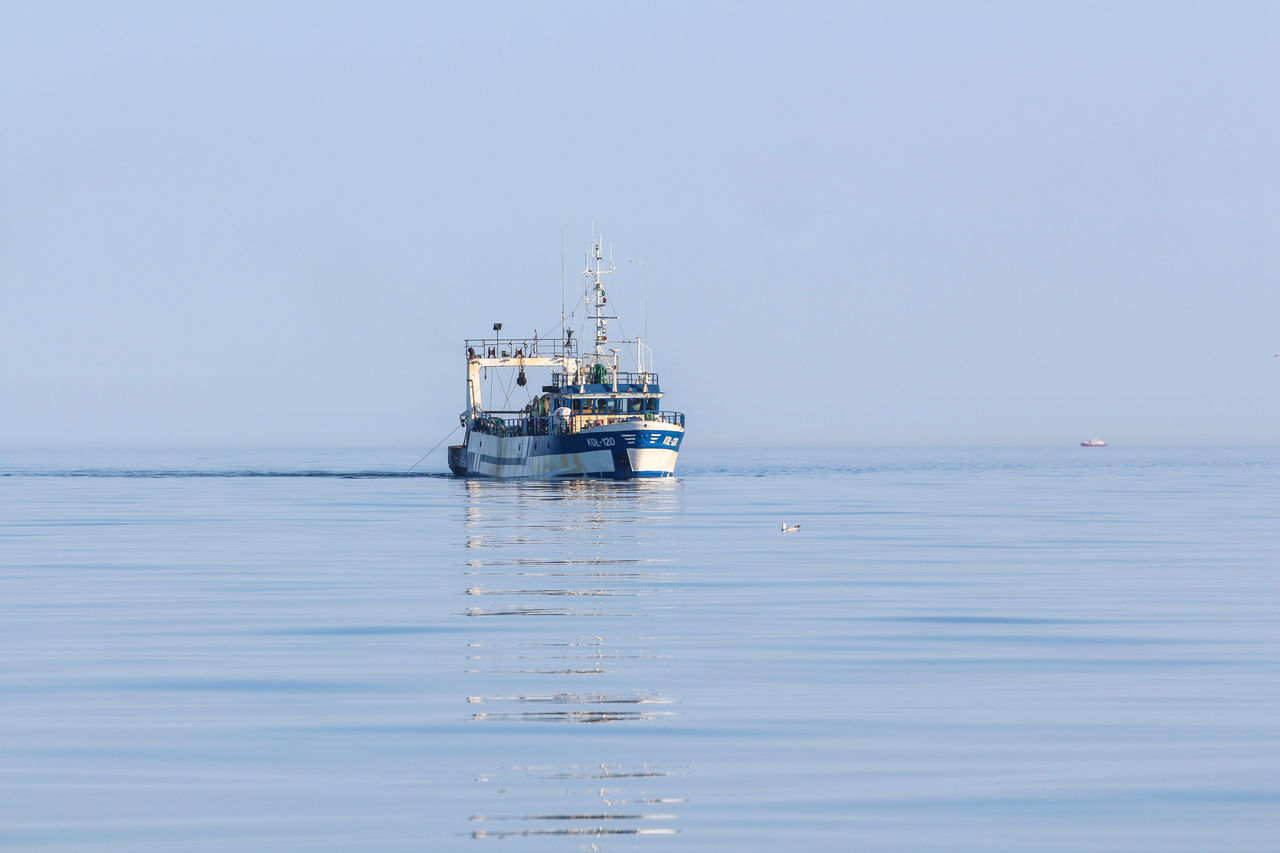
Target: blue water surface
{"x": 959, "y": 650}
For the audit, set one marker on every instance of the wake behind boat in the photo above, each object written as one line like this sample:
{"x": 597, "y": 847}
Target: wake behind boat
{"x": 591, "y": 419}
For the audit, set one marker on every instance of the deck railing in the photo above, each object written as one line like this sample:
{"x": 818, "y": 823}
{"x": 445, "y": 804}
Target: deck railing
{"x": 584, "y": 377}
{"x": 518, "y": 348}
{"x": 524, "y": 424}
{"x": 598, "y": 419}
{"x": 518, "y": 424}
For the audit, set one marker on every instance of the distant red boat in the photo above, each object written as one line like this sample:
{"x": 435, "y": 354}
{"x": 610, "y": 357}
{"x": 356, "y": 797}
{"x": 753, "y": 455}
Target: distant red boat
{"x": 1093, "y": 442}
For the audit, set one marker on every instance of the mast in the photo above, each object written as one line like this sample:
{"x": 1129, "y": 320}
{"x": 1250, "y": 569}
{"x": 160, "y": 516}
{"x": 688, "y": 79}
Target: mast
{"x": 595, "y": 273}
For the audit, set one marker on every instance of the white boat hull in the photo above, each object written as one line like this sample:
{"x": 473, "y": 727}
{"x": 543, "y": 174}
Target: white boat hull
{"x": 620, "y": 451}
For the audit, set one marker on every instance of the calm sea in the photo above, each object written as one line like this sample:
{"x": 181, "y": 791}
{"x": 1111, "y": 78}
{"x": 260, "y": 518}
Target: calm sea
{"x": 960, "y": 650}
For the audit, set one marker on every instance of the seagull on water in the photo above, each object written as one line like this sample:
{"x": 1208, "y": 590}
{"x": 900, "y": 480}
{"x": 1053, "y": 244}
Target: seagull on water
{"x": 792, "y": 528}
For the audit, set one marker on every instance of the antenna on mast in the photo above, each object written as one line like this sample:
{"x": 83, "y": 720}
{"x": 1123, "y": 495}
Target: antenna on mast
{"x": 562, "y": 317}
{"x": 595, "y": 282}
{"x": 644, "y": 269}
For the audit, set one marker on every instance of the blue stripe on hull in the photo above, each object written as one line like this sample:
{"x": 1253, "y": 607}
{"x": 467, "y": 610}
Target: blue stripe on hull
{"x": 550, "y": 445}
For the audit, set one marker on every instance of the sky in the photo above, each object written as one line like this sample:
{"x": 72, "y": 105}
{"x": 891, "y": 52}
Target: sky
{"x": 272, "y": 224}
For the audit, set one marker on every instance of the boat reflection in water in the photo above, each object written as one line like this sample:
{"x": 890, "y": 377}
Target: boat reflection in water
{"x": 563, "y": 587}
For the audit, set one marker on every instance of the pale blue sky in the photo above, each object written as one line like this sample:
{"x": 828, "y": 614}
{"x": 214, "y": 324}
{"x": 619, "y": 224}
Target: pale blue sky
{"x": 863, "y": 223}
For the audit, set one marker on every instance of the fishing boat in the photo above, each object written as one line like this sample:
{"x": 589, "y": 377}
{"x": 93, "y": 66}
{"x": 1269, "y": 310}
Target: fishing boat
{"x": 1093, "y": 442}
{"x": 591, "y": 419}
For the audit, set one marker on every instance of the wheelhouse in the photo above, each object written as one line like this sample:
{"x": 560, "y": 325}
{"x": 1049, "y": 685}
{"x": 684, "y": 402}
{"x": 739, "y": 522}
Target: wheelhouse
{"x": 582, "y": 396}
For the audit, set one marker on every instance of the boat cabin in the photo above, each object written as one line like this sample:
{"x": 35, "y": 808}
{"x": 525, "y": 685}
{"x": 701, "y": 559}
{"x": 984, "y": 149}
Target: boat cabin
{"x": 584, "y": 393}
